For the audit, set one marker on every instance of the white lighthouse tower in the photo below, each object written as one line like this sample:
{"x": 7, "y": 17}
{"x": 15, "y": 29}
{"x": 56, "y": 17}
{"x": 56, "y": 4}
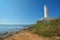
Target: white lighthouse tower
{"x": 45, "y": 11}
{"x": 45, "y": 19}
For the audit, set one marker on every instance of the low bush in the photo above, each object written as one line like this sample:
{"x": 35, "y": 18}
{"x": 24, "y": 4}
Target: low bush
{"x": 47, "y": 29}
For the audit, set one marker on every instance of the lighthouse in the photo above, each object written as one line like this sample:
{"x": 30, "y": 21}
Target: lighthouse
{"x": 45, "y": 11}
{"x": 46, "y": 18}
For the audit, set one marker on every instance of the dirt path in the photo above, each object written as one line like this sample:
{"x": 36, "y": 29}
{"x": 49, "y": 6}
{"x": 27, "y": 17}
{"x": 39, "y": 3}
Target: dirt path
{"x": 24, "y": 35}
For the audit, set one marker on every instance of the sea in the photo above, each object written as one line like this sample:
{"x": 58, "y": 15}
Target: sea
{"x": 4, "y": 28}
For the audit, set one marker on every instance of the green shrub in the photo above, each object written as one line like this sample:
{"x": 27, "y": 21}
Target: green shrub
{"x": 9, "y": 35}
{"x": 1, "y": 39}
{"x": 47, "y": 29}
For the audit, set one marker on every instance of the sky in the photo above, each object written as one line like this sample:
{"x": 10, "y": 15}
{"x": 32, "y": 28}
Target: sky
{"x": 26, "y": 11}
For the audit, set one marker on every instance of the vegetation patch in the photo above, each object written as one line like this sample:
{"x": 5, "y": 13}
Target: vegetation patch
{"x": 47, "y": 29}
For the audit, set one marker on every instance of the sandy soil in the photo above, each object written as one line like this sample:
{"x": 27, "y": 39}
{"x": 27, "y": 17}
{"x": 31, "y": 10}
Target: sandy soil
{"x": 24, "y": 35}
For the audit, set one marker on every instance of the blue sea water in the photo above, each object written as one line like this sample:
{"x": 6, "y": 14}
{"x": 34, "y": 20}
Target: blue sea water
{"x": 4, "y": 28}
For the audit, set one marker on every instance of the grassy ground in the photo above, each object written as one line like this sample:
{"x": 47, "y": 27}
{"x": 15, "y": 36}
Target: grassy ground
{"x": 47, "y": 29}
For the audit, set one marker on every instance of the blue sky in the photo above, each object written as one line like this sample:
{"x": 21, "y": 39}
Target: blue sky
{"x": 26, "y": 11}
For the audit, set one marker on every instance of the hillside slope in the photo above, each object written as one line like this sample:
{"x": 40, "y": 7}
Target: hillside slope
{"x": 39, "y": 31}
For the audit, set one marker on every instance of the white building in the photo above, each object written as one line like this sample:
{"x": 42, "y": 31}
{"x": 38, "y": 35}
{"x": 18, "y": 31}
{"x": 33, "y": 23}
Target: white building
{"x": 45, "y": 19}
{"x": 45, "y": 11}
